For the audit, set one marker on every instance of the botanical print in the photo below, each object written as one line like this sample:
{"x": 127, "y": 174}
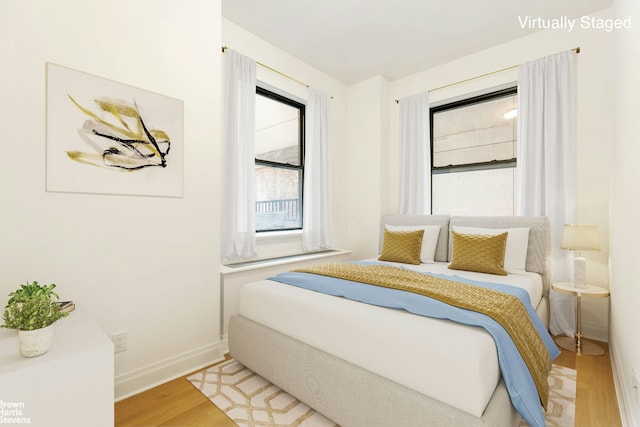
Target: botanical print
{"x": 98, "y": 128}
{"x": 126, "y": 144}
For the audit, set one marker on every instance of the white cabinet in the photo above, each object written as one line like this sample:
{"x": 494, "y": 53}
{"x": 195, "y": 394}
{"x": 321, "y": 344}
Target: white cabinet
{"x": 69, "y": 386}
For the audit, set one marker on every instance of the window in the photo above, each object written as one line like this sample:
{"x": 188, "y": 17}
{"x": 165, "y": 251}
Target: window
{"x": 279, "y": 157}
{"x": 473, "y": 155}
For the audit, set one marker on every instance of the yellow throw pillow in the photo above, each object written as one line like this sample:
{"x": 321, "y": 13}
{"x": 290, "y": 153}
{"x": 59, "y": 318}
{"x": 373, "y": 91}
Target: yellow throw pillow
{"x": 402, "y": 246}
{"x": 479, "y": 252}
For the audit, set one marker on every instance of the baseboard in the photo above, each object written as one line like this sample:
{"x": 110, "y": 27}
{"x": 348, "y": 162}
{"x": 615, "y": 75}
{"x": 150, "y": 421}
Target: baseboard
{"x": 134, "y": 382}
{"x": 625, "y": 398}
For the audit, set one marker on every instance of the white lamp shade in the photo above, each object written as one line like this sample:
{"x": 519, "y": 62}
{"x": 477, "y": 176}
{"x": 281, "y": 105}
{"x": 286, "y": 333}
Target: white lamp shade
{"x": 581, "y": 237}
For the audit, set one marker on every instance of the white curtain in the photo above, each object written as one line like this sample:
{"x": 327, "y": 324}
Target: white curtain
{"x": 546, "y": 163}
{"x": 238, "y": 235}
{"x": 316, "y": 232}
{"x": 415, "y": 155}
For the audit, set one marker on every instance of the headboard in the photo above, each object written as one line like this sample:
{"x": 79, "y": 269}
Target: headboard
{"x": 538, "y": 249}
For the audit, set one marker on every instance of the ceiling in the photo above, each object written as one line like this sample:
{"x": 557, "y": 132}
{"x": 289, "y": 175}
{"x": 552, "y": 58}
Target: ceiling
{"x": 353, "y": 40}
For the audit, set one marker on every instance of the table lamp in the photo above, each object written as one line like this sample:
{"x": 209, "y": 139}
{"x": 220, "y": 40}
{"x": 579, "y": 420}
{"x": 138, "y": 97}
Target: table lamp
{"x": 580, "y": 237}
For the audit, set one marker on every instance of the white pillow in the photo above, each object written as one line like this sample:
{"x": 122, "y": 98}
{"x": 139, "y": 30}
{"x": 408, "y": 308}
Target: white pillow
{"x": 429, "y": 239}
{"x": 515, "y": 258}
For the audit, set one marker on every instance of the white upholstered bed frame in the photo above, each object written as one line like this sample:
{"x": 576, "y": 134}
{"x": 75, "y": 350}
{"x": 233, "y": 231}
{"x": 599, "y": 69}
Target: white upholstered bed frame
{"x": 353, "y": 396}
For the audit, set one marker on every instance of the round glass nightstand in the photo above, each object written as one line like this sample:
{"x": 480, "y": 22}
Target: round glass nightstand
{"x": 576, "y": 344}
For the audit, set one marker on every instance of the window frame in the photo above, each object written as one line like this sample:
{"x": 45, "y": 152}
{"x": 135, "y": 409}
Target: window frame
{"x": 261, "y": 91}
{"x": 490, "y": 165}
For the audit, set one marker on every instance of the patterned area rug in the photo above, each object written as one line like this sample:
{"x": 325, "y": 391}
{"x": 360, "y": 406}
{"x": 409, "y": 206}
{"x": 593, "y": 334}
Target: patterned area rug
{"x": 561, "y": 409}
{"x": 250, "y": 400}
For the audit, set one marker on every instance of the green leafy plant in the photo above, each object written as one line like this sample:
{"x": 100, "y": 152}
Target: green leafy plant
{"x": 32, "y": 306}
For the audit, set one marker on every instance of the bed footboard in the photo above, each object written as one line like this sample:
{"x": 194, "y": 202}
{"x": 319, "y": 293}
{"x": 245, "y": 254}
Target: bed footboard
{"x": 345, "y": 393}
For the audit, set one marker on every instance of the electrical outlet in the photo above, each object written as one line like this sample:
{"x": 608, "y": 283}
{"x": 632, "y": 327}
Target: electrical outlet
{"x": 119, "y": 341}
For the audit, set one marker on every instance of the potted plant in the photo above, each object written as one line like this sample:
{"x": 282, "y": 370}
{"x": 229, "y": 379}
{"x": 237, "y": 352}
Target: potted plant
{"x": 32, "y": 310}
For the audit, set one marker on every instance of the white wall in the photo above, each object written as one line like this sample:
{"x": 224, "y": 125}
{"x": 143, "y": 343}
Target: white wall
{"x": 368, "y": 126}
{"x": 158, "y": 277}
{"x": 594, "y": 118}
{"x": 625, "y": 205}
{"x": 298, "y": 75}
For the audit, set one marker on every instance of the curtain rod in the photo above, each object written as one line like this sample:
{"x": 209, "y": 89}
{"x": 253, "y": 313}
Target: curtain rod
{"x": 224, "y": 48}
{"x": 502, "y": 70}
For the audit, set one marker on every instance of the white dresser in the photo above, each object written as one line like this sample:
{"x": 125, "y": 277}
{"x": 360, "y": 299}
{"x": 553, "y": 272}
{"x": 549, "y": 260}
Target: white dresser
{"x": 69, "y": 386}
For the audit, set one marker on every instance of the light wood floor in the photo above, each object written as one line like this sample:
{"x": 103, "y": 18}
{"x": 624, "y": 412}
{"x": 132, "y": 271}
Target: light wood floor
{"x": 596, "y": 402}
{"x": 178, "y": 403}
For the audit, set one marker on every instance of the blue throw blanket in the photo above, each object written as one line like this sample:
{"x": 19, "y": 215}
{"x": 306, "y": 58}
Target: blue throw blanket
{"x": 516, "y": 375}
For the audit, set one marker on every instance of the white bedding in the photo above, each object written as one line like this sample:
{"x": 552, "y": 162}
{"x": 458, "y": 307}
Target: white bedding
{"x": 456, "y": 364}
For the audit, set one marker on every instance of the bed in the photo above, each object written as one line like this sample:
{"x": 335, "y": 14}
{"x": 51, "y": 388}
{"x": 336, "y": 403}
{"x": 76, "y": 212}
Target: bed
{"x": 366, "y": 365}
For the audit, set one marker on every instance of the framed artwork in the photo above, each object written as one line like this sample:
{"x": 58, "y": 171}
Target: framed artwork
{"x": 111, "y": 138}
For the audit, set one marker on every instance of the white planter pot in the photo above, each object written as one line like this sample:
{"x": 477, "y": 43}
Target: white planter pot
{"x": 36, "y": 342}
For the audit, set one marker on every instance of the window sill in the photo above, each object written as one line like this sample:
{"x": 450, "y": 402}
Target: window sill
{"x": 254, "y": 264}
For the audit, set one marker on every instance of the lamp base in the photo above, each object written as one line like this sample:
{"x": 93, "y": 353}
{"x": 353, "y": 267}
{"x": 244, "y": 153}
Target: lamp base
{"x": 580, "y": 272}
{"x": 583, "y": 347}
